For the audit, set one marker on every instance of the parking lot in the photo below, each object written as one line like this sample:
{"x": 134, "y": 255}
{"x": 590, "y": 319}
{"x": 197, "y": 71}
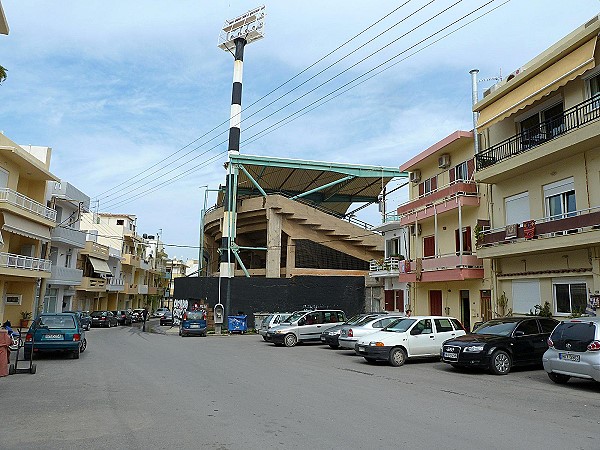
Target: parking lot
{"x": 140, "y": 390}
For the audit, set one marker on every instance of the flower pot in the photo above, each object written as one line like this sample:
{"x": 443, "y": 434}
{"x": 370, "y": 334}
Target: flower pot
{"x": 24, "y": 323}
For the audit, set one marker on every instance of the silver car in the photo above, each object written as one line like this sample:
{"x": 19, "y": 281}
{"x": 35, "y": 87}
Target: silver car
{"x": 271, "y": 321}
{"x": 304, "y": 326}
{"x": 574, "y": 350}
{"x": 349, "y": 334}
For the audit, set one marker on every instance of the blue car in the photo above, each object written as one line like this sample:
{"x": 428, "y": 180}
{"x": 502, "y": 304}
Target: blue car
{"x": 60, "y": 332}
{"x": 193, "y": 323}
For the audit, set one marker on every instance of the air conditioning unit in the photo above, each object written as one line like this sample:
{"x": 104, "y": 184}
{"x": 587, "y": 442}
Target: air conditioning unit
{"x": 415, "y": 231}
{"x": 444, "y": 161}
{"x": 415, "y": 176}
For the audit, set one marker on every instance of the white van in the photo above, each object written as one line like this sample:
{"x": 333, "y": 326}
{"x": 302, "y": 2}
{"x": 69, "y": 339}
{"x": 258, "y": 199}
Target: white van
{"x": 305, "y": 326}
{"x": 409, "y": 337}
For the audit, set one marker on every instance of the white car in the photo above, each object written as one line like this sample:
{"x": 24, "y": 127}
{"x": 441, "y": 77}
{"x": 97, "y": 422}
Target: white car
{"x": 349, "y": 334}
{"x": 409, "y": 337}
{"x": 160, "y": 312}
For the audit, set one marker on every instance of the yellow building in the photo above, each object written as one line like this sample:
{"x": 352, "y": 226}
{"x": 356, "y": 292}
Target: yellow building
{"x": 540, "y": 152}
{"x": 26, "y": 226}
{"x": 446, "y": 207}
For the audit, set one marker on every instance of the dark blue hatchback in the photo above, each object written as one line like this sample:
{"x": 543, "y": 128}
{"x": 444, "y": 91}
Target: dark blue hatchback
{"x": 193, "y": 323}
{"x": 60, "y": 332}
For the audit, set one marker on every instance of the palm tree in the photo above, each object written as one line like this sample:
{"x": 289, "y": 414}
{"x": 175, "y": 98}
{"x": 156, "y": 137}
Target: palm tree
{"x": 2, "y": 74}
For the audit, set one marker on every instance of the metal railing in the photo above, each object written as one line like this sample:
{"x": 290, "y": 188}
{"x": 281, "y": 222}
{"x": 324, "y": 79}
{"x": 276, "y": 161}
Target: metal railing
{"x": 389, "y": 264}
{"x": 571, "y": 119}
{"x": 18, "y": 199}
{"x": 12, "y": 261}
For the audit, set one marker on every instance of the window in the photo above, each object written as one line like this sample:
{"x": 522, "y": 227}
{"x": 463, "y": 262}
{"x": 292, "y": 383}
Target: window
{"x": 422, "y": 327}
{"x": 13, "y": 299}
{"x": 3, "y": 178}
{"x": 543, "y": 125}
{"x": 528, "y": 327}
{"x": 466, "y": 240}
{"x": 559, "y": 199}
{"x": 461, "y": 172}
{"x": 570, "y": 297}
{"x": 525, "y": 295}
{"x": 68, "y": 257}
{"x": 547, "y": 325}
{"x": 516, "y": 208}
{"x": 120, "y": 222}
{"x": 428, "y": 186}
{"x": 392, "y": 247}
{"x": 457, "y": 325}
{"x": 594, "y": 86}
{"x": 428, "y": 246}
{"x": 442, "y": 325}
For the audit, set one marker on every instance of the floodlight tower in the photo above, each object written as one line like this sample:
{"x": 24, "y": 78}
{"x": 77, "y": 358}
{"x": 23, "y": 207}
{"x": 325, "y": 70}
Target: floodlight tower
{"x": 235, "y": 35}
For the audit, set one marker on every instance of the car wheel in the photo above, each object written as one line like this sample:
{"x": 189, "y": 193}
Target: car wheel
{"x": 334, "y": 346}
{"x": 500, "y": 363}
{"x": 397, "y": 357}
{"x": 83, "y": 346}
{"x": 370, "y": 360}
{"x": 290, "y": 340}
{"x": 559, "y": 378}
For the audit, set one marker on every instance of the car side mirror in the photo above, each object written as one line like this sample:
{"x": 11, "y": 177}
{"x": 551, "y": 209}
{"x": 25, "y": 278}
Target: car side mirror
{"x": 415, "y": 331}
{"x": 519, "y": 333}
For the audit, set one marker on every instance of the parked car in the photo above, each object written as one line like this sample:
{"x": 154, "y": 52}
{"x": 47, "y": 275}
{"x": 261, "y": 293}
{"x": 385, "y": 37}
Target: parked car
{"x": 160, "y": 312}
{"x": 304, "y": 326}
{"x": 139, "y": 314}
{"x": 103, "y": 319}
{"x": 270, "y": 321}
{"x": 500, "y": 344}
{"x": 409, "y": 337}
{"x": 574, "y": 350}
{"x": 193, "y": 323}
{"x": 84, "y": 318}
{"x": 331, "y": 335}
{"x": 166, "y": 319}
{"x": 349, "y": 334}
{"x": 135, "y": 317}
{"x": 123, "y": 317}
{"x": 59, "y": 332}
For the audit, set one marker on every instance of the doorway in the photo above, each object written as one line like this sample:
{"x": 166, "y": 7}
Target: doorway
{"x": 435, "y": 303}
{"x": 465, "y": 309}
{"x": 486, "y": 305}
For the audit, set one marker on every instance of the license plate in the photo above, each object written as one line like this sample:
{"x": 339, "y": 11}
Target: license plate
{"x": 362, "y": 349}
{"x": 194, "y": 325}
{"x": 569, "y": 357}
{"x": 453, "y": 356}
{"x": 53, "y": 337}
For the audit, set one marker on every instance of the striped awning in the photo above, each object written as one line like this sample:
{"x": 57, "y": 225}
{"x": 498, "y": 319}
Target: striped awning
{"x": 24, "y": 227}
{"x": 100, "y": 266}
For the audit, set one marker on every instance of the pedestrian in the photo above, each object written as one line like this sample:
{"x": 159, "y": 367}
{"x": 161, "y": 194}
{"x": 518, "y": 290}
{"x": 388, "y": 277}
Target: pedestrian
{"x": 408, "y": 313}
{"x": 145, "y": 315}
{"x": 5, "y": 341}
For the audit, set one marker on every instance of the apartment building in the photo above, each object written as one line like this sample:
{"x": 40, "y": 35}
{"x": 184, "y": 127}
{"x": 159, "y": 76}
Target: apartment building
{"x": 66, "y": 241}
{"x": 26, "y": 226}
{"x": 158, "y": 282}
{"x": 540, "y": 154}
{"x": 433, "y": 235}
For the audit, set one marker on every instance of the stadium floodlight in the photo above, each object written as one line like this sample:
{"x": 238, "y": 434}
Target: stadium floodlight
{"x": 249, "y": 26}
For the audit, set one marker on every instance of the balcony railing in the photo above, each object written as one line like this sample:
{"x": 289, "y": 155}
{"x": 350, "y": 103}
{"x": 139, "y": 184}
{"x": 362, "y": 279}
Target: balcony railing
{"x": 115, "y": 284}
{"x": 69, "y": 236}
{"x": 571, "y": 119}
{"x": 547, "y": 227}
{"x": 22, "y": 201}
{"x": 65, "y": 275}
{"x": 92, "y": 284}
{"x": 390, "y": 264}
{"x": 12, "y": 261}
{"x": 142, "y": 288}
{"x": 444, "y": 262}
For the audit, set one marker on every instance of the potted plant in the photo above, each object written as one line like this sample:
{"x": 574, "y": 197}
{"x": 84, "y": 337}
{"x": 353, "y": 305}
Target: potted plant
{"x": 25, "y": 317}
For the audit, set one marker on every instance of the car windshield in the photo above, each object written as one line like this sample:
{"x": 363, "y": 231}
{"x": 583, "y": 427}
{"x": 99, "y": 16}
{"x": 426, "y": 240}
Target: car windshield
{"x": 497, "y": 327}
{"x": 400, "y": 326}
{"x": 195, "y": 315}
{"x": 294, "y": 317}
{"x": 98, "y": 313}
{"x": 266, "y": 320}
{"x": 57, "y": 322}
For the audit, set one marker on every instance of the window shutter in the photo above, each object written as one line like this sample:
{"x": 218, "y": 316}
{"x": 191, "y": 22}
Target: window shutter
{"x": 467, "y": 240}
{"x": 433, "y": 183}
{"x": 452, "y": 173}
{"x": 421, "y": 188}
{"x": 457, "y": 240}
{"x": 470, "y": 168}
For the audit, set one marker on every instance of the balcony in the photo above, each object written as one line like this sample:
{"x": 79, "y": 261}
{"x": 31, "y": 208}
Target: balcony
{"x": 69, "y": 236}
{"x": 142, "y": 289}
{"x": 95, "y": 250}
{"x": 65, "y": 276}
{"x": 451, "y": 267}
{"x": 24, "y": 203}
{"x": 577, "y": 229}
{"x": 115, "y": 285}
{"x": 130, "y": 260}
{"x": 131, "y": 288}
{"x": 388, "y": 267}
{"x": 552, "y": 140}
{"x": 92, "y": 284}
{"x": 144, "y": 265}
{"x": 438, "y": 201}
{"x": 24, "y": 266}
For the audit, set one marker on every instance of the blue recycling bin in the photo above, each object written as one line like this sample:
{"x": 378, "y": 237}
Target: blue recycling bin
{"x": 237, "y": 324}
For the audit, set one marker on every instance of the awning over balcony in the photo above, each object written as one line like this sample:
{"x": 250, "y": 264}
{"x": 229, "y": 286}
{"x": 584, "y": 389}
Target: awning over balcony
{"x": 100, "y": 266}
{"x": 543, "y": 83}
{"x": 24, "y": 227}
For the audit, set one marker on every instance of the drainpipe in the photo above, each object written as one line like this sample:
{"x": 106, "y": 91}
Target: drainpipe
{"x": 475, "y": 99}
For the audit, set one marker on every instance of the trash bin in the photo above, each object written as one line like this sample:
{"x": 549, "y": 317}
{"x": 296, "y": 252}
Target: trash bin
{"x": 237, "y": 324}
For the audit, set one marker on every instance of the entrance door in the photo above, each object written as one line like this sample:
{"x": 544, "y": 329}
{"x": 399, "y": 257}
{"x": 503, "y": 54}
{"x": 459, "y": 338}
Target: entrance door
{"x": 486, "y": 305}
{"x": 389, "y": 300}
{"x": 400, "y": 301}
{"x": 435, "y": 303}
{"x": 465, "y": 309}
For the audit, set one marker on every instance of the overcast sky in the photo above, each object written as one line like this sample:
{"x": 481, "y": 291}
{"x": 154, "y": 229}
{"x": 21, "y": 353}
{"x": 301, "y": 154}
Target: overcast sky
{"x": 115, "y": 87}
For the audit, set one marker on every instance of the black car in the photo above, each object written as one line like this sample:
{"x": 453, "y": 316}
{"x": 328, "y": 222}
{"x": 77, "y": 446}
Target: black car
{"x": 123, "y": 317}
{"x": 84, "y": 319}
{"x": 103, "y": 319}
{"x": 166, "y": 318}
{"x": 500, "y": 344}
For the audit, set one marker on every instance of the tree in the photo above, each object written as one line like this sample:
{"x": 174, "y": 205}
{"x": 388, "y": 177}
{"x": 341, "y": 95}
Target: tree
{"x": 2, "y": 74}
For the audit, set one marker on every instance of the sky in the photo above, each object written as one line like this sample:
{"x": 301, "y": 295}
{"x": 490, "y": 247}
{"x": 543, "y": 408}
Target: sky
{"x": 134, "y": 96}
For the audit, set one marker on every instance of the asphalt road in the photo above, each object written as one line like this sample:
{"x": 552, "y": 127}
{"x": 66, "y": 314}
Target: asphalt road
{"x": 137, "y": 390}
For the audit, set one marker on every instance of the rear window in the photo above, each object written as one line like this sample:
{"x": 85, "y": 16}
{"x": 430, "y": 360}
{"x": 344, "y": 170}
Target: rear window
{"x": 574, "y": 336}
{"x": 57, "y": 322}
{"x": 195, "y": 315}
{"x": 98, "y": 313}
{"x": 548, "y": 325}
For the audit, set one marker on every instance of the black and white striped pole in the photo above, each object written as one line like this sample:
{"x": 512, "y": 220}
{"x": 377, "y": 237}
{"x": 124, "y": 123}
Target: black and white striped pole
{"x": 236, "y": 34}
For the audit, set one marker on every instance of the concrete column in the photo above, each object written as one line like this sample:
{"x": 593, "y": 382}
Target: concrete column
{"x": 291, "y": 257}
{"x": 274, "y": 222}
